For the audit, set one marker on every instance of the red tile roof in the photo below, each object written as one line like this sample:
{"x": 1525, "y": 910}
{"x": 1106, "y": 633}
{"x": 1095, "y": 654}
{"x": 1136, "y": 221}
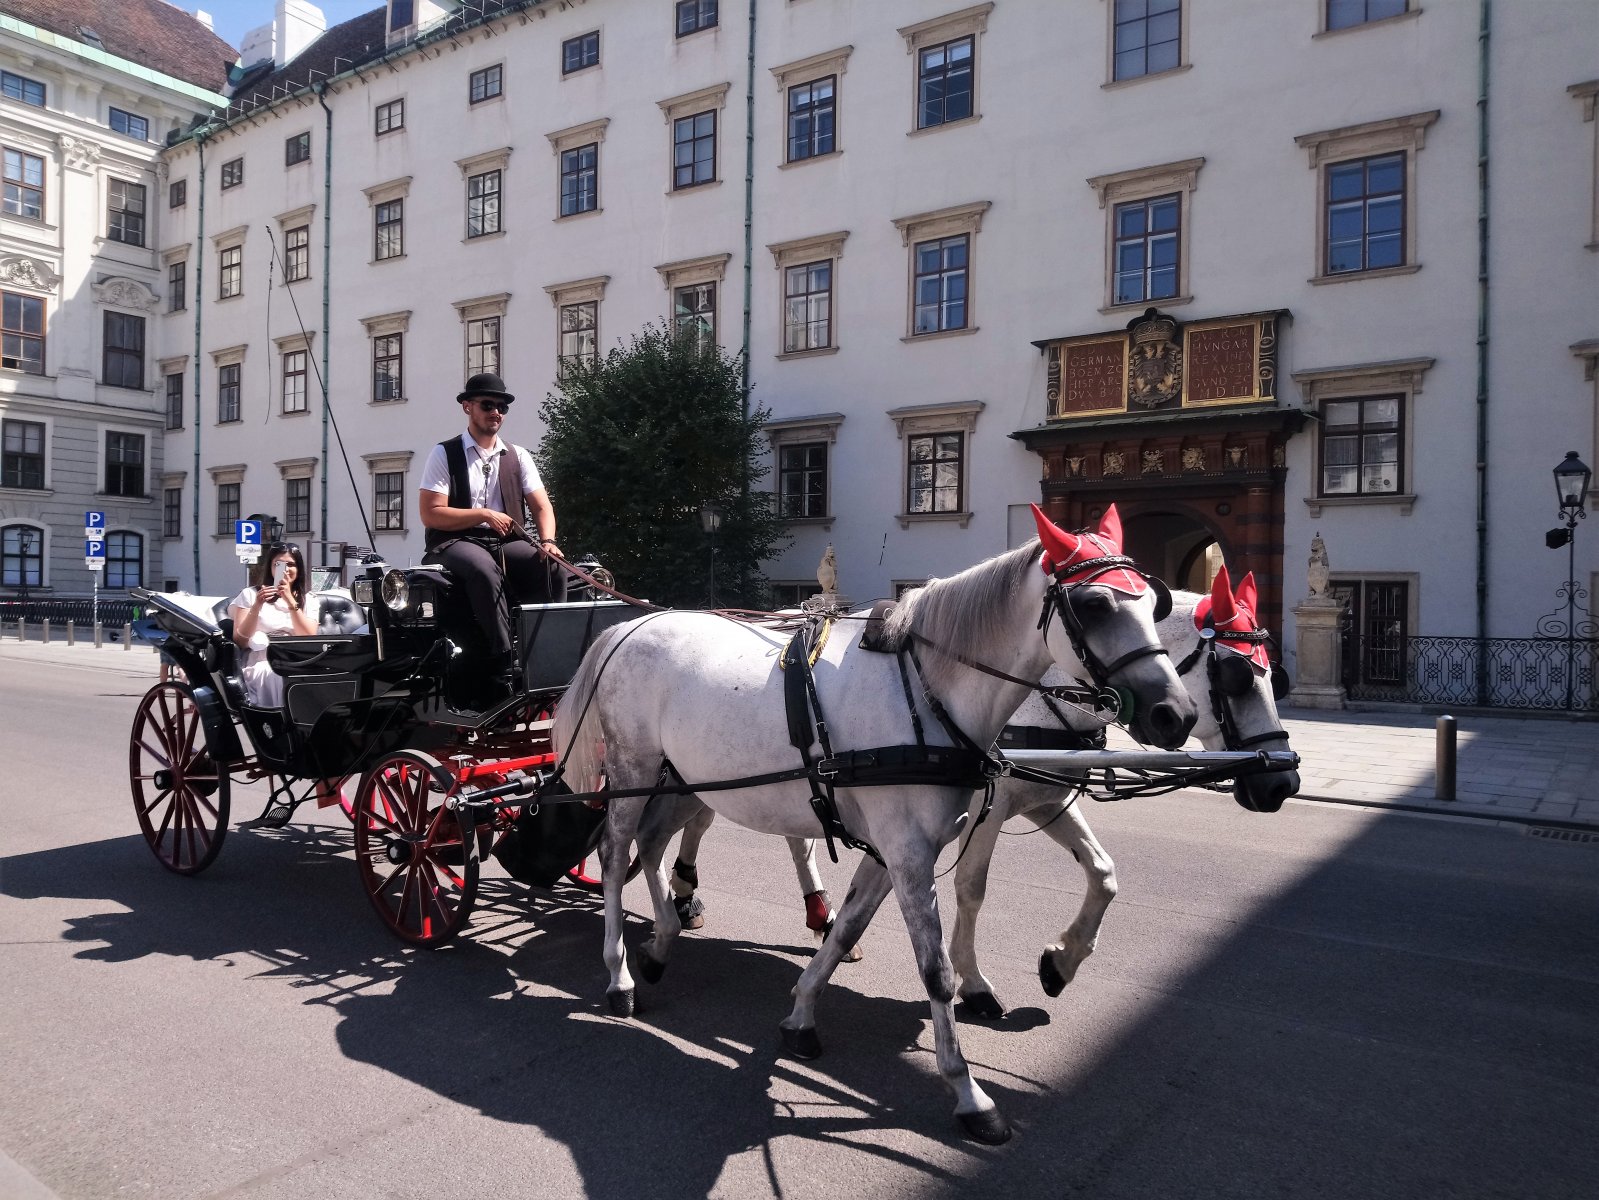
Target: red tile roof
{"x": 151, "y": 33}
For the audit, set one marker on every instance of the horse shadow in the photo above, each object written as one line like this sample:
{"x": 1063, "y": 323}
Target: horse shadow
{"x": 511, "y": 1019}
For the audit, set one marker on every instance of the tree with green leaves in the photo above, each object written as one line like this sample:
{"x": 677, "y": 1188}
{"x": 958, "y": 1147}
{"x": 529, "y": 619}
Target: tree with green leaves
{"x": 637, "y": 442}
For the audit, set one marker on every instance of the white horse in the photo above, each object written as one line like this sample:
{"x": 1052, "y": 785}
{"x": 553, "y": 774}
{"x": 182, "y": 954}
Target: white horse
{"x": 706, "y": 696}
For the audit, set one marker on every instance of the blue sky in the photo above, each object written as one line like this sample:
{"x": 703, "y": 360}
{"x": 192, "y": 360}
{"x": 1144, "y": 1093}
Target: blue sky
{"x": 232, "y": 19}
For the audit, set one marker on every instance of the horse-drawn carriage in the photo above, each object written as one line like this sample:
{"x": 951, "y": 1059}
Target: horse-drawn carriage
{"x": 384, "y": 711}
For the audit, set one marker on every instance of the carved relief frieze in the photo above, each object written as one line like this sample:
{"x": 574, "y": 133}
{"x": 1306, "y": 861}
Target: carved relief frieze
{"x": 1193, "y": 458}
{"x": 1114, "y": 464}
{"x": 19, "y": 270}
{"x": 125, "y": 293}
{"x": 1153, "y": 462}
{"x": 79, "y": 153}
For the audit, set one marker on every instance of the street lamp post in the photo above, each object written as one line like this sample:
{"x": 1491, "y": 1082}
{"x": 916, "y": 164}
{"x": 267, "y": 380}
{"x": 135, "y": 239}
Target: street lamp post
{"x": 711, "y": 522}
{"x": 25, "y": 539}
{"x": 1571, "y": 486}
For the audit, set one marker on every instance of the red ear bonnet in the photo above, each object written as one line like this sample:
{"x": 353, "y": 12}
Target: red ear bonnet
{"x": 1062, "y": 549}
{"x": 1233, "y": 610}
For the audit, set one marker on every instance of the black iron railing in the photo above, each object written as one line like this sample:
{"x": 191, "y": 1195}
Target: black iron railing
{"x": 1554, "y": 674}
{"x": 114, "y": 613}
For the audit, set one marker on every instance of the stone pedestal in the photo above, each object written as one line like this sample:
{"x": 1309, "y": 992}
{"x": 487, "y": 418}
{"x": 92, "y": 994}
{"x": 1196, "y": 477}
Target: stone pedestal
{"x": 1318, "y": 658}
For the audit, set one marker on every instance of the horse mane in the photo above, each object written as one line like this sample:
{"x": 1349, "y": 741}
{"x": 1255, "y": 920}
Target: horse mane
{"x": 965, "y": 612}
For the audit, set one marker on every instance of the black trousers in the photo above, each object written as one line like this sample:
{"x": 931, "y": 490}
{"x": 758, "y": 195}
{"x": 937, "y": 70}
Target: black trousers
{"x": 528, "y": 578}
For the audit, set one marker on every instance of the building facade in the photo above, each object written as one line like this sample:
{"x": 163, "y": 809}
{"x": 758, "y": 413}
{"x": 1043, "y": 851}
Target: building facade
{"x": 1232, "y": 266}
{"x": 87, "y": 103}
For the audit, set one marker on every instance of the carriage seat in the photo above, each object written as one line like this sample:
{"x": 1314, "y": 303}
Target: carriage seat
{"x": 340, "y": 614}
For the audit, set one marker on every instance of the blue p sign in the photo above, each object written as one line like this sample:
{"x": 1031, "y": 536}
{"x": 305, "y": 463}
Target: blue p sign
{"x": 247, "y": 533}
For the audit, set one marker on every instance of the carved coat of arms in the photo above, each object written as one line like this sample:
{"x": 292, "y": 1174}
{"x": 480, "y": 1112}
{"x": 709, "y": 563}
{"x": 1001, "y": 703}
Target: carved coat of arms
{"x": 1155, "y": 374}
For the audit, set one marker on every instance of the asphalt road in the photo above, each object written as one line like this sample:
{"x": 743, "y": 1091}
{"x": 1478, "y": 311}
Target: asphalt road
{"x": 1321, "y": 1003}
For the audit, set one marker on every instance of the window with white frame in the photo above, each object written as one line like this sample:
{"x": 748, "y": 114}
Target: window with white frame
{"x": 695, "y": 15}
{"x": 937, "y": 442}
{"x": 692, "y": 120}
{"x": 483, "y": 345}
{"x": 297, "y": 253}
{"x": 580, "y": 53}
{"x": 172, "y": 512}
{"x": 123, "y": 359}
{"x": 124, "y": 560}
{"x": 1147, "y": 232}
{"x": 24, "y": 185}
{"x": 577, "y": 320}
{"x": 691, "y": 287}
{"x": 387, "y": 333}
{"x": 22, "y": 460}
{"x": 485, "y": 84}
{"x": 388, "y": 471}
{"x": 483, "y": 204}
{"x": 177, "y": 285}
{"x": 1363, "y": 437}
{"x": 22, "y": 333}
{"x": 1346, "y": 14}
{"x": 129, "y": 125}
{"x": 232, "y": 173}
{"x": 296, "y": 365}
{"x": 125, "y": 212}
{"x": 229, "y": 363}
{"x": 802, "y": 452}
{"x": 174, "y": 395}
{"x": 945, "y": 52}
{"x": 124, "y": 463}
{"x": 230, "y": 272}
{"x": 388, "y": 117}
{"x": 941, "y": 267}
{"x": 21, "y": 89}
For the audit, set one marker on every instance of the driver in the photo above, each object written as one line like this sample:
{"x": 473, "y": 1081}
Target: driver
{"x": 476, "y": 494}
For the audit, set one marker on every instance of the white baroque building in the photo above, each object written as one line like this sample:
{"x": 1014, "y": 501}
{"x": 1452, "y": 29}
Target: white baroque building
{"x": 90, "y": 91}
{"x": 1367, "y": 229}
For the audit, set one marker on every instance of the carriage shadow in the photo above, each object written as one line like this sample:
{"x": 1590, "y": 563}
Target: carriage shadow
{"x": 511, "y": 1020}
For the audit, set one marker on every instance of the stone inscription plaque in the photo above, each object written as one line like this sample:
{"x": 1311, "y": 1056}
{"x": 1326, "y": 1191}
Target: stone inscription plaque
{"x": 1220, "y": 364}
{"x": 1093, "y": 377}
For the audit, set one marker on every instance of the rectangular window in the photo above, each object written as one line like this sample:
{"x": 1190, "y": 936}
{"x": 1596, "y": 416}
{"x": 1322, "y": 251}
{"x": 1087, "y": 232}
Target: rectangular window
{"x": 388, "y": 223}
{"x": 124, "y": 464}
{"x": 177, "y": 193}
{"x": 172, "y": 512}
{"x": 1365, "y": 214}
{"x": 694, "y": 313}
{"x": 808, "y": 307}
{"x": 695, "y": 15}
{"x": 23, "y": 561}
{"x": 483, "y": 204}
{"x": 297, "y": 149}
{"x": 22, "y": 333}
{"x": 294, "y": 372}
{"x": 387, "y": 367}
{"x": 24, "y": 185}
{"x": 388, "y": 500}
{"x": 580, "y": 177}
{"x": 810, "y": 119}
{"x": 940, "y": 288}
{"x": 694, "y": 150}
{"x": 802, "y": 480}
{"x": 386, "y": 118}
{"x": 227, "y": 507}
{"x": 579, "y": 52}
{"x": 1361, "y": 446}
{"x": 297, "y": 505}
{"x": 1147, "y": 233}
{"x": 580, "y": 334}
{"x": 792, "y": 595}
{"x": 484, "y": 84}
{"x": 125, "y": 220}
{"x": 22, "y": 89}
{"x": 1148, "y": 37}
{"x": 944, "y": 83}
{"x": 124, "y": 351}
{"x": 1341, "y": 14}
{"x": 124, "y": 561}
{"x": 401, "y": 14}
{"x": 22, "y": 465}
{"x": 1376, "y": 628}
{"x": 131, "y": 124}
{"x": 935, "y": 472}
{"x": 297, "y": 253}
{"x": 175, "y": 401}
{"x": 228, "y": 386}
{"x": 483, "y": 345}
{"x": 232, "y": 173}
{"x": 230, "y": 275}
{"x": 177, "y": 286}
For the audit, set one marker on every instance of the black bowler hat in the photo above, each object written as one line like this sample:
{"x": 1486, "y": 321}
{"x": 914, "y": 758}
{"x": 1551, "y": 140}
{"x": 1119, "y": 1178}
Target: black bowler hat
{"x": 487, "y": 384}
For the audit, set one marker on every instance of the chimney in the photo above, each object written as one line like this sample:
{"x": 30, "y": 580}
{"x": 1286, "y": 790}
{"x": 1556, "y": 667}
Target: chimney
{"x": 204, "y": 18}
{"x": 296, "y": 25}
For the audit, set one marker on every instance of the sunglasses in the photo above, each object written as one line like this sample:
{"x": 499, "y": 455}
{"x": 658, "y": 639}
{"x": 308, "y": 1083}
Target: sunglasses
{"x": 500, "y": 406}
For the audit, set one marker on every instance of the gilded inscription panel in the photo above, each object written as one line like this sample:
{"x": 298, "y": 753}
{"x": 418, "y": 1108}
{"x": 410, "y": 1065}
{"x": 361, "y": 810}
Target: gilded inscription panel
{"x": 1093, "y": 377}
{"x": 1222, "y": 363}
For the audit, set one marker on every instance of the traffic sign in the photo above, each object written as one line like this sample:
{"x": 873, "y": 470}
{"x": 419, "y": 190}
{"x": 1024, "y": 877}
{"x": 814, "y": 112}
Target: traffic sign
{"x": 94, "y": 552}
{"x": 247, "y": 540}
{"x": 94, "y": 526}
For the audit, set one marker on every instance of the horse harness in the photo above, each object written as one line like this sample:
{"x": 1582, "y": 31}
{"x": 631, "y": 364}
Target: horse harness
{"x": 1233, "y": 676}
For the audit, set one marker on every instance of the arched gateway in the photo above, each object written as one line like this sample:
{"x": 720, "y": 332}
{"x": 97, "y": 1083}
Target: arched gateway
{"x": 1180, "y": 425}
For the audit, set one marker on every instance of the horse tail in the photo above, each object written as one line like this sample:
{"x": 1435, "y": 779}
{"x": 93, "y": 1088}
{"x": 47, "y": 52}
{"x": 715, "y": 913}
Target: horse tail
{"x": 578, "y": 732}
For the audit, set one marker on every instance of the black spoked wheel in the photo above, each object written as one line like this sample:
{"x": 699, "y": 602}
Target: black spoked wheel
{"x": 179, "y": 793}
{"x": 417, "y": 867}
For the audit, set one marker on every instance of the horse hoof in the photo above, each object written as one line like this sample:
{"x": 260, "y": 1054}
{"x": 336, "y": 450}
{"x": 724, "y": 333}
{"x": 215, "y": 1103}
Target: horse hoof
{"x": 650, "y": 970}
{"x": 1049, "y": 975}
{"x": 984, "y": 1005}
{"x": 802, "y": 1043}
{"x": 621, "y": 1002}
{"x": 690, "y": 912}
{"x": 987, "y": 1127}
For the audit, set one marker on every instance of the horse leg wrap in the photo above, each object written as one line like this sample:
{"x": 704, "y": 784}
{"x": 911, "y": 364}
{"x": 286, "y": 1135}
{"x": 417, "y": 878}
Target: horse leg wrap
{"x": 685, "y": 879}
{"x": 818, "y": 912}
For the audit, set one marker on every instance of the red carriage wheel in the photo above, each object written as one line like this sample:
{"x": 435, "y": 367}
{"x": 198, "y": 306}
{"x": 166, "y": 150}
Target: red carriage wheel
{"x": 179, "y": 793}
{"x": 416, "y": 866}
{"x": 578, "y": 876}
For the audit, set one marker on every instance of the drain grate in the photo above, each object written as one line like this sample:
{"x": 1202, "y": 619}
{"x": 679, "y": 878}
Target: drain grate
{"x": 1562, "y": 835}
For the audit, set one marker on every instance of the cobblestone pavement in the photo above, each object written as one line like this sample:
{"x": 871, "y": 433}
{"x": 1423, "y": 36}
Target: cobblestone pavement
{"x": 1536, "y": 770}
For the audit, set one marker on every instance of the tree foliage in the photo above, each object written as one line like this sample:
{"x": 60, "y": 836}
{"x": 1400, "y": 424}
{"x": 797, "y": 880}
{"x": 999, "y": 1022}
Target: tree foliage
{"x": 636, "y": 442}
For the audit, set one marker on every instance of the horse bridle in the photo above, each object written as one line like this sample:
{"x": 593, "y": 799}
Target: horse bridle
{"x": 1058, "y": 602}
{"x": 1233, "y": 677}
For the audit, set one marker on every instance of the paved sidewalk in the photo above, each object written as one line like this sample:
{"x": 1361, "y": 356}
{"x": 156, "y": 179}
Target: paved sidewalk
{"x": 1541, "y": 771}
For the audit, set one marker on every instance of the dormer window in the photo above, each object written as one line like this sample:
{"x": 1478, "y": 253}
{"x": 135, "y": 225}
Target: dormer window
{"x": 402, "y": 15}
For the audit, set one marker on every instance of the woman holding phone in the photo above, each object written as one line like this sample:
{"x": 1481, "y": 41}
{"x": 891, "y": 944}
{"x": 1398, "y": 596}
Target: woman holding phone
{"x": 281, "y": 608}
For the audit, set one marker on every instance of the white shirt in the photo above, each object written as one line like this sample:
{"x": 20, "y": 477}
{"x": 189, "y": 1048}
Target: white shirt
{"x": 482, "y": 473}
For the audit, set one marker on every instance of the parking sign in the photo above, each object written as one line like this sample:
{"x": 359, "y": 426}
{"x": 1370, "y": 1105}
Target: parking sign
{"x": 247, "y": 540}
{"x": 94, "y": 552}
{"x": 94, "y": 526}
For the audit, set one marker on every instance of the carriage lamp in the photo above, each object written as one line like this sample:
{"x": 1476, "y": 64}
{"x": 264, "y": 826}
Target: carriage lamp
{"x": 274, "y": 530}
{"x": 25, "y": 538}
{"x": 396, "y": 591}
{"x": 711, "y": 517}
{"x": 1571, "y": 484}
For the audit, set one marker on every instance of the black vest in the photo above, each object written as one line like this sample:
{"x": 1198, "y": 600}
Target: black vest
{"x": 461, "y": 495}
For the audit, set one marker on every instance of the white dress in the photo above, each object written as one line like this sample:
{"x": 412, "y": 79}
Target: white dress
{"x": 262, "y": 685}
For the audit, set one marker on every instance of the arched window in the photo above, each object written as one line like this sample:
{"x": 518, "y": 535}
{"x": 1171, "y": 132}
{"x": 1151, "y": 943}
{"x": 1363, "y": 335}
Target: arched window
{"x": 22, "y": 556}
{"x": 124, "y": 561}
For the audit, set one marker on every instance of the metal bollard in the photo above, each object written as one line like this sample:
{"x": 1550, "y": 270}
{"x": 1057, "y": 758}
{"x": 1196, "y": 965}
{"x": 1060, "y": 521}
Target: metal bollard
{"x": 99, "y": 632}
{"x": 127, "y": 637}
{"x": 71, "y": 634}
{"x": 1444, "y": 739}
{"x": 46, "y": 631}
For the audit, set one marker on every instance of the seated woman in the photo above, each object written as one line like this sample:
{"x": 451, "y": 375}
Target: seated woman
{"x": 281, "y": 608}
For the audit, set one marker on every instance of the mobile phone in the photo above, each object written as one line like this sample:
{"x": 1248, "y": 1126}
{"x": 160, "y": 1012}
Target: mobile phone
{"x": 279, "y": 570}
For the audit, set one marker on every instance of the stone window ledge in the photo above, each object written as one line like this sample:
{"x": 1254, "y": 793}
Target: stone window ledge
{"x": 1140, "y": 305}
{"x": 819, "y": 352}
{"x": 941, "y": 334}
{"x": 1404, "y": 502}
{"x": 1409, "y": 15}
{"x": 819, "y": 522}
{"x": 906, "y": 520}
{"x": 943, "y": 125}
{"x": 1379, "y": 273}
{"x": 1116, "y": 84}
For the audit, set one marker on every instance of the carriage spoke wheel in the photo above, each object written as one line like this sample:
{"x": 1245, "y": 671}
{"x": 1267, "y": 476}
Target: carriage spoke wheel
{"x": 179, "y": 793}
{"x": 416, "y": 867}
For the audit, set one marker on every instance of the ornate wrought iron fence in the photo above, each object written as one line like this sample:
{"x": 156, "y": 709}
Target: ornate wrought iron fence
{"x": 1528, "y": 673}
{"x": 114, "y": 613}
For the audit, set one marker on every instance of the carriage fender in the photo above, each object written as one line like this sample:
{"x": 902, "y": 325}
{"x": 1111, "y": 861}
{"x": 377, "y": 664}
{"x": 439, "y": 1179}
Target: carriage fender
{"x": 221, "y": 734}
